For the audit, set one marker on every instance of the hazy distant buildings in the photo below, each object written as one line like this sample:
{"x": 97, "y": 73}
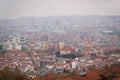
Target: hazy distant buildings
{"x": 44, "y": 38}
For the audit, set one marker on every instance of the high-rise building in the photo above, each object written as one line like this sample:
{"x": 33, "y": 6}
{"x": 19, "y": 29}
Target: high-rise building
{"x": 56, "y": 46}
{"x": 43, "y": 45}
{"x": 15, "y": 42}
{"x": 17, "y": 39}
{"x": 44, "y": 39}
{"x": 56, "y": 49}
{"x": 61, "y": 45}
{"x": 14, "y": 47}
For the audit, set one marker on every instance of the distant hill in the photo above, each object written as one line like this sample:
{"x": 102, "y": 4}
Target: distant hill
{"x": 60, "y": 22}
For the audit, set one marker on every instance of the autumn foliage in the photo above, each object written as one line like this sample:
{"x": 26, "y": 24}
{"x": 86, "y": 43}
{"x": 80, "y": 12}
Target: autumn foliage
{"x": 7, "y": 74}
{"x": 106, "y": 73}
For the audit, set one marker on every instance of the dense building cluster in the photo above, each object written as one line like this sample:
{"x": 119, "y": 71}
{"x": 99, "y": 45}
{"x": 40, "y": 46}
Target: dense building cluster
{"x": 57, "y": 50}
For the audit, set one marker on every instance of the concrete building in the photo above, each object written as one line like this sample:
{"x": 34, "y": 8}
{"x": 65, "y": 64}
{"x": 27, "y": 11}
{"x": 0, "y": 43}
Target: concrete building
{"x": 13, "y": 47}
{"x": 16, "y": 39}
{"x": 61, "y": 45}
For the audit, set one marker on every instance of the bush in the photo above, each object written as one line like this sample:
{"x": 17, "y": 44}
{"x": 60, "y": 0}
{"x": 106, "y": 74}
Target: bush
{"x": 7, "y": 74}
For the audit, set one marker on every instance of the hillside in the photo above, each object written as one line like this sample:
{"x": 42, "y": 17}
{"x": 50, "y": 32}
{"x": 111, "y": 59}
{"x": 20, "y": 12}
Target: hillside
{"x": 59, "y": 22}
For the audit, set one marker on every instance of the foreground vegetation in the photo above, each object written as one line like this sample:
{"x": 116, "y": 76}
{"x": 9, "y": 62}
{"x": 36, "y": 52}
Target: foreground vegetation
{"x": 105, "y": 73}
{"x": 7, "y": 74}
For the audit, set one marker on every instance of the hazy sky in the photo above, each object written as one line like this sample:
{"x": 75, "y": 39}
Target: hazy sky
{"x": 21, "y": 8}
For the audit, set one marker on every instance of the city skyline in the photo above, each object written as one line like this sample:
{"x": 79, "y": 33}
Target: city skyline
{"x": 40, "y": 8}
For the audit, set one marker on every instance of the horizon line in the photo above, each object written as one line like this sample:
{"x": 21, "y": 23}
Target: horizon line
{"x": 57, "y": 16}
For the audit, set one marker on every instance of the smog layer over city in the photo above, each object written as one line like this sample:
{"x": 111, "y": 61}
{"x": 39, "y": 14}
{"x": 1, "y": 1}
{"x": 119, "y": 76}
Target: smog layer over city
{"x": 59, "y": 40}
